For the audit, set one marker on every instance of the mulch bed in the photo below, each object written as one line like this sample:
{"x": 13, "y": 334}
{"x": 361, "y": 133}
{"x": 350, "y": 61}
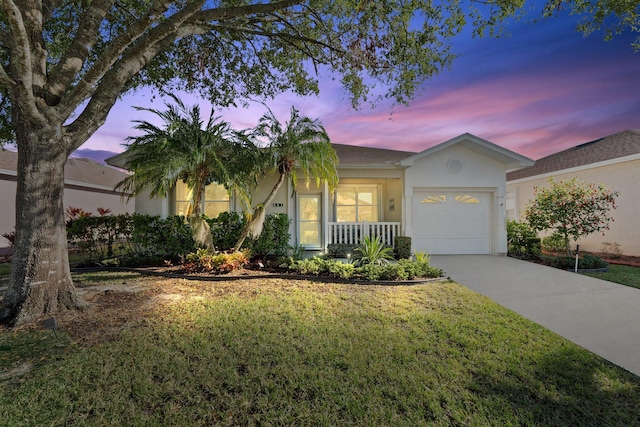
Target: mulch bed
{"x": 632, "y": 261}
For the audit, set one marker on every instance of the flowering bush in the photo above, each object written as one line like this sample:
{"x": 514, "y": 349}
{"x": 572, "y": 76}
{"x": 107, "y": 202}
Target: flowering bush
{"x": 571, "y": 208}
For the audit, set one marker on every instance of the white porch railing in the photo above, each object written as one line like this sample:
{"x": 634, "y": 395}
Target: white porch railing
{"x": 353, "y": 232}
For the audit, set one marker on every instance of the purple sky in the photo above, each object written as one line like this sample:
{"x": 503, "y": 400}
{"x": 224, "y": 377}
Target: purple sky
{"x": 540, "y": 90}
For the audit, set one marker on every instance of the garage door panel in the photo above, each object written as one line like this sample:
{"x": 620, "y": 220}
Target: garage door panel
{"x": 452, "y": 222}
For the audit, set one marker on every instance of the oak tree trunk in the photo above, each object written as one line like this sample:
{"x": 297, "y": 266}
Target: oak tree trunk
{"x": 40, "y": 283}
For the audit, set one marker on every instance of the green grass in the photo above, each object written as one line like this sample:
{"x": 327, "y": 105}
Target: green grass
{"x": 301, "y": 353}
{"x": 5, "y": 269}
{"x": 622, "y": 274}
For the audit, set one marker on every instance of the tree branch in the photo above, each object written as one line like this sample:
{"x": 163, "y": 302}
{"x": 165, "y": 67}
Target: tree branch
{"x": 105, "y": 62}
{"x": 138, "y": 53}
{"x": 184, "y": 23}
{"x": 21, "y": 60}
{"x": 63, "y": 74}
{"x": 106, "y": 93}
{"x": 6, "y": 80}
{"x": 224, "y": 13}
{"x": 48, "y": 6}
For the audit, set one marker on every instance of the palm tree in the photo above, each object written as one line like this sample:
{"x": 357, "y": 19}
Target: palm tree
{"x": 187, "y": 149}
{"x": 302, "y": 144}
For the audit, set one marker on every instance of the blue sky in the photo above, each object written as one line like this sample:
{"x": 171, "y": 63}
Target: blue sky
{"x": 541, "y": 89}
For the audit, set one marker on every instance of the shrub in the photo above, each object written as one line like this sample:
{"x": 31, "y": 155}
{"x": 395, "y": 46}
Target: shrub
{"x": 522, "y": 241}
{"x": 132, "y": 239}
{"x": 341, "y": 270}
{"x": 568, "y": 263}
{"x": 156, "y": 237}
{"x": 340, "y": 250}
{"x": 313, "y": 266}
{"x": 419, "y": 269}
{"x": 402, "y": 270}
{"x": 206, "y": 260}
{"x": 554, "y": 243}
{"x": 369, "y": 272}
{"x": 393, "y": 272}
{"x": 372, "y": 251}
{"x": 402, "y": 247}
{"x": 99, "y": 237}
{"x": 74, "y": 213}
{"x": 226, "y": 229}
{"x": 273, "y": 241}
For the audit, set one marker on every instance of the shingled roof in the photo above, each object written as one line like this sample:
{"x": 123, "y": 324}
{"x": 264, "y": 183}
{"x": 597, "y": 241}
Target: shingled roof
{"x": 78, "y": 171}
{"x": 351, "y": 155}
{"x": 614, "y": 146}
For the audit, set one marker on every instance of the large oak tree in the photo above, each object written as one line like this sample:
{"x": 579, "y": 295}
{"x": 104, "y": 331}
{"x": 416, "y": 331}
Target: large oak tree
{"x": 64, "y": 64}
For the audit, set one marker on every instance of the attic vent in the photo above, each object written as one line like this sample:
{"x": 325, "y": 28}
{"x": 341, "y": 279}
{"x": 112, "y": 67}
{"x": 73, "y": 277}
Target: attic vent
{"x": 454, "y": 166}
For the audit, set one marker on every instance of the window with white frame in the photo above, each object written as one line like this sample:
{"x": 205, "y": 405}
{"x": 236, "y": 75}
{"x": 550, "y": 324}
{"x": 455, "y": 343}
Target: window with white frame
{"x": 216, "y": 199}
{"x": 356, "y": 203}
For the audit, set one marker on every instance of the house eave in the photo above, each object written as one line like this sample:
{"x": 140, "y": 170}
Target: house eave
{"x": 395, "y": 165}
{"x": 575, "y": 169}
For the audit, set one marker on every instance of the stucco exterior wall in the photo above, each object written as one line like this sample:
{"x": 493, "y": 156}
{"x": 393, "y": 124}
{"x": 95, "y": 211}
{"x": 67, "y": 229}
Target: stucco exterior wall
{"x": 623, "y": 177}
{"x": 392, "y": 200}
{"x": 91, "y": 199}
{"x": 144, "y": 204}
{"x": 478, "y": 173}
{"x": 281, "y": 201}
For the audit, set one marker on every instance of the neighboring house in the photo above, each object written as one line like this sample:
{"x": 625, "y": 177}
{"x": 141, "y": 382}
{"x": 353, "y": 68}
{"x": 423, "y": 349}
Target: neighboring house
{"x": 448, "y": 198}
{"x": 87, "y": 185}
{"x": 613, "y": 161}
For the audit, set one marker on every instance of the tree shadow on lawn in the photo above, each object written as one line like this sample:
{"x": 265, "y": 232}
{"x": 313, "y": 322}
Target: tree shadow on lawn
{"x": 566, "y": 387}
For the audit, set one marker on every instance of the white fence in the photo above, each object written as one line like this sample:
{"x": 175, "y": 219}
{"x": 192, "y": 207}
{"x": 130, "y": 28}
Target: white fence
{"x": 353, "y": 232}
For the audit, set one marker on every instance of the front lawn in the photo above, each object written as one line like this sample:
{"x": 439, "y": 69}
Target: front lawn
{"x": 622, "y": 274}
{"x": 5, "y": 269}
{"x": 276, "y": 352}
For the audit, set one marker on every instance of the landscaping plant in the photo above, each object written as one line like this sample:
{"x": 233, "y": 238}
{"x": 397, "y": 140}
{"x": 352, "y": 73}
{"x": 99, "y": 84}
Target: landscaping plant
{"x": 272, "y": 242}
{"x": 404, "y": 269}
{"x": 208, "y": 261}
{"x": 372, "y": 251}
{"x": 522, "y": 241}
{"x": 554, "y": 243}
{"x": 402, "y": 247}
{"x": 572, "y": 208}
{"x": 422, "y": 257}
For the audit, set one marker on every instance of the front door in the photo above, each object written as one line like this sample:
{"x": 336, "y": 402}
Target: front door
{"x": 310, "y": 221}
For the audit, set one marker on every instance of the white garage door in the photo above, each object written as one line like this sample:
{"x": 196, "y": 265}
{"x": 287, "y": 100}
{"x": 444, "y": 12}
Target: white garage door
{"x": 450, "y": 222}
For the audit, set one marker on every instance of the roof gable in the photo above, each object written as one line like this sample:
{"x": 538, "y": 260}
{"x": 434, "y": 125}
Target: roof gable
{"x": 621, "y": 144}
{"x": 511, "y": 159}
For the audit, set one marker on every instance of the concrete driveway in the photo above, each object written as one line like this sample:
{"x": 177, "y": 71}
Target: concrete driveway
{"x": 601, "y": 316}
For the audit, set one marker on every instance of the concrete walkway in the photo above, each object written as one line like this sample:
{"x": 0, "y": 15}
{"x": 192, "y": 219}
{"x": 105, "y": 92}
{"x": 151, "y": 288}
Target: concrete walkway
{"x": 601, "y": 316}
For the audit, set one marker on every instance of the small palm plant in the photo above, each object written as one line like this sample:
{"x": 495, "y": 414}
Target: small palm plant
{"x": 422, "y": 257}
{"x": 372, "y": 251}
